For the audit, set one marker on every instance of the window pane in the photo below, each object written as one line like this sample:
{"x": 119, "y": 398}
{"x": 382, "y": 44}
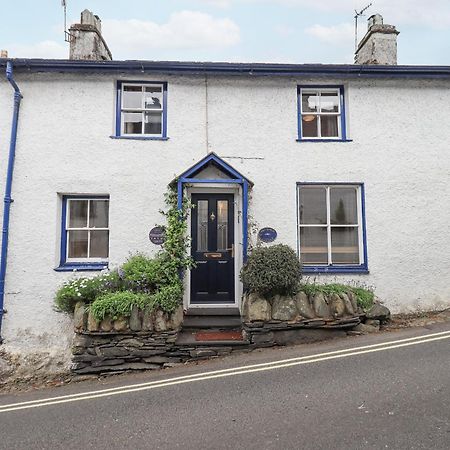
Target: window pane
{"x": 78, "y": 244}
{"x": 309, "y": 126}
{"x": 99, "y": 244}
{"x": 202, "y": 226}
{"x": 313, "y": 205}
{"x": 132, "y": 97}
{"x": 153, "y": 98}
{"x": 152, "y": 123}
{"x": 222, "y": 225}
{"x": 98, "y": 214}
{"x": 310, "y": 102}
{"x": 132, "y": 123}
{"x": 313, "y": 245}
{"x": 329, "y": 126}
{"x": 344, "y": 245}
{"x": 78, "y": 213}
{"x": 343, "y": 205}
{"x": 329, "y": 102}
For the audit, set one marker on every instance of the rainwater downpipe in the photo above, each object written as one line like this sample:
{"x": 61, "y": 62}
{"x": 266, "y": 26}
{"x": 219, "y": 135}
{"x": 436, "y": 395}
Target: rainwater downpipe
{"x": 8, "y": 187}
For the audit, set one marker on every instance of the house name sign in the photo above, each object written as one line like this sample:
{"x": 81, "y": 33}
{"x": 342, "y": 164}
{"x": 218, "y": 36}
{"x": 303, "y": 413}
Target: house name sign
{"x": 267, "y": 234}
{"x": 156, "y": 235}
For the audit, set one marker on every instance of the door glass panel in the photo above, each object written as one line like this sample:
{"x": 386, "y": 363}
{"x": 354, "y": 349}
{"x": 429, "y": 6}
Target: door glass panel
{"x": 202, "y": 226}
{"x": 222, "y": 225}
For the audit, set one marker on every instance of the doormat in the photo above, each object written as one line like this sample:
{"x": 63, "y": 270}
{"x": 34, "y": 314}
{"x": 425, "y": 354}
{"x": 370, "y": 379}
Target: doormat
{"x": 219, "y": 336}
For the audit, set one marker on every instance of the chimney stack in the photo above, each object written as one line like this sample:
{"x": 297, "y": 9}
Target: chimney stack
{"x": 379, "y": 45}
{"x": 86, "y": 40}
{"x": 3, "y": 53}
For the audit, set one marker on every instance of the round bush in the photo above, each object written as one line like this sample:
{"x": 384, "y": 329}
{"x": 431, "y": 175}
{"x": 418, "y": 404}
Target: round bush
{"x": 272, "y": 270}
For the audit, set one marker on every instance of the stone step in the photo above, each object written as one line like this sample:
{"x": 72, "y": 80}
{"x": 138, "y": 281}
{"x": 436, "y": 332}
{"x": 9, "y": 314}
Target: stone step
{"x": 216, "y": 321}
{"x": 220, "y": 311}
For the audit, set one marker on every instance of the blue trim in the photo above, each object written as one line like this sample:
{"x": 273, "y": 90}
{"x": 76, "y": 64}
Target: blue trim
{"x": 343, "y": 137}
{"x": 324, "y": 140}
{"x": 180, "y": 194}
{"x": 64, "y": 265}
{"x": 118, "y": 135}
{"x": 220, "y": 163}
{"x": 216, "y": 180}
{"x": 8, "y": 187}
{"x": 73, "y": 267}
{"x": 334, "y": 269}
{"x": 141, "y": 138}
{"x": 245, "y": 220}
{"x": 251, "y": 69}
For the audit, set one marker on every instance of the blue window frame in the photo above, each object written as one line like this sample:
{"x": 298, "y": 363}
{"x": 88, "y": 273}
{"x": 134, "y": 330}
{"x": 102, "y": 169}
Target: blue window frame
{"x": 141, "y": 110}
{"x": 331, "y": 227}
{"x": 321, "y": 114}
{"x": 84, "y": 233}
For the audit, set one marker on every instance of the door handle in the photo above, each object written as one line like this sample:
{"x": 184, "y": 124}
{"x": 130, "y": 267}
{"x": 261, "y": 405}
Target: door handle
{"x": 231, "y": 249}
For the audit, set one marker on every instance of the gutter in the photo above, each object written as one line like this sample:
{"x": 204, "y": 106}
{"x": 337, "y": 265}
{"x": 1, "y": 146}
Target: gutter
{"x": 8, "y": 187}
{"x": 221, "y": 68}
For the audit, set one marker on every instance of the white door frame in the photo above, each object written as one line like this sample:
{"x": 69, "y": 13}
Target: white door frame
{"x": 219, "y": 188}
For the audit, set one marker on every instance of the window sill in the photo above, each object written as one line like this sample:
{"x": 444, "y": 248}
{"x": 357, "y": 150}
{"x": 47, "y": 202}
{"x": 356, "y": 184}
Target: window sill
{"x": 141, "y": 138}
{"x": 324, "y": 140}
{"x": 334, "y": 269}
{"x": 81, "y": 267}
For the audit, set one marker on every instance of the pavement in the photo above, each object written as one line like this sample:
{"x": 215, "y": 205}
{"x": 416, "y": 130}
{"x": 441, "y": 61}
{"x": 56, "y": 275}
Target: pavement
{"x": 387, "y": 390}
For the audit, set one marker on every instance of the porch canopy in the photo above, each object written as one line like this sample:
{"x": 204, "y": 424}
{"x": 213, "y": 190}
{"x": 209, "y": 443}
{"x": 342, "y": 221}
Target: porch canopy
{"x": 214, "y": 170}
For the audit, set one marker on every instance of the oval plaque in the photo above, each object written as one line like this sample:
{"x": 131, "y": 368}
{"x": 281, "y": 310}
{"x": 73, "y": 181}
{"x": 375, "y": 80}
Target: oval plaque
{"x": 156, "y": 235}
{"x": 267, "y": 234}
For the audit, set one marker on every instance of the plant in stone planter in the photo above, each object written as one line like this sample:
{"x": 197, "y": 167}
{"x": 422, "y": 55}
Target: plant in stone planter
{"x": 86, "y": 290}
{"x": 270, "y": 271}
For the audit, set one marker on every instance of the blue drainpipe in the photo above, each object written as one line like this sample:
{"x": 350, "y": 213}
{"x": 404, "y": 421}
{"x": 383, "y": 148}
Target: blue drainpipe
{"x": 9, "y": 177}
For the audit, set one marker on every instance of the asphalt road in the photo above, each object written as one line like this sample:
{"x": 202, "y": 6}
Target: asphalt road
{"x": 393, "y": 391}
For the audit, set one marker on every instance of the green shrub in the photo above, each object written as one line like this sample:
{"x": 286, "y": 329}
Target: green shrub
{"x": 85, "y": 290}
{"x": 168, "y": 297}
{"x": 142, "y": 273}
{"x": 364, "y": 296}
{"x": 117, "y": 304}
{"x": 272, "y": 270}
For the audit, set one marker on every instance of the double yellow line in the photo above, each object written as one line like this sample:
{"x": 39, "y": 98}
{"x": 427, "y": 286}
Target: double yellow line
{"x": 227, "y": 372}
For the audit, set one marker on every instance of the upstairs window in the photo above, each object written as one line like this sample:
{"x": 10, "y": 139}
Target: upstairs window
{"x": 322, "y": 114}
{"x": 141, "y": 110}
{"x": 331, "y": 227}
{"x": 85, "y": 232}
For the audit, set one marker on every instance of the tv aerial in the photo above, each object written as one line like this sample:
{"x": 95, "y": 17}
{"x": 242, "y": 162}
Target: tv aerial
{"x": 67, "y": 35}
{"x": 357, "y": 16}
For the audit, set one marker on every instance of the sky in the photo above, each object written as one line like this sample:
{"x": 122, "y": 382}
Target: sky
{"x": 284, "y": 31}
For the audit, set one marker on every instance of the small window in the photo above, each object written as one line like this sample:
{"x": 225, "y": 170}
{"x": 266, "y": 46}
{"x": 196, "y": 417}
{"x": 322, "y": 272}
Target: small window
{"x": 141, "y": 110}
{"x": 321, "y": 113}
{"x": 331, "y": 227}
{"x": 85, "y": 232}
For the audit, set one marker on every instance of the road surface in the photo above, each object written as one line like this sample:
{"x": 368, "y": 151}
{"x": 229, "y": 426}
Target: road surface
{"x": 390, "y": 390}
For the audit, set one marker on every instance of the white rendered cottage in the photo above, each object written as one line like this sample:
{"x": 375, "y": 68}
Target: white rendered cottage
{"x": 349, "y": 164}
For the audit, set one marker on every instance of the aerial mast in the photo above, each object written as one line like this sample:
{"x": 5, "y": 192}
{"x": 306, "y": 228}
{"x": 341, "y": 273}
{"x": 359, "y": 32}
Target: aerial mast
{"x": 357, "y": 16}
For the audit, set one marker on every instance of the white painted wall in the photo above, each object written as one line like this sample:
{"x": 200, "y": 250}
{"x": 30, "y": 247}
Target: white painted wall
{"x": 400, "y": 151}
